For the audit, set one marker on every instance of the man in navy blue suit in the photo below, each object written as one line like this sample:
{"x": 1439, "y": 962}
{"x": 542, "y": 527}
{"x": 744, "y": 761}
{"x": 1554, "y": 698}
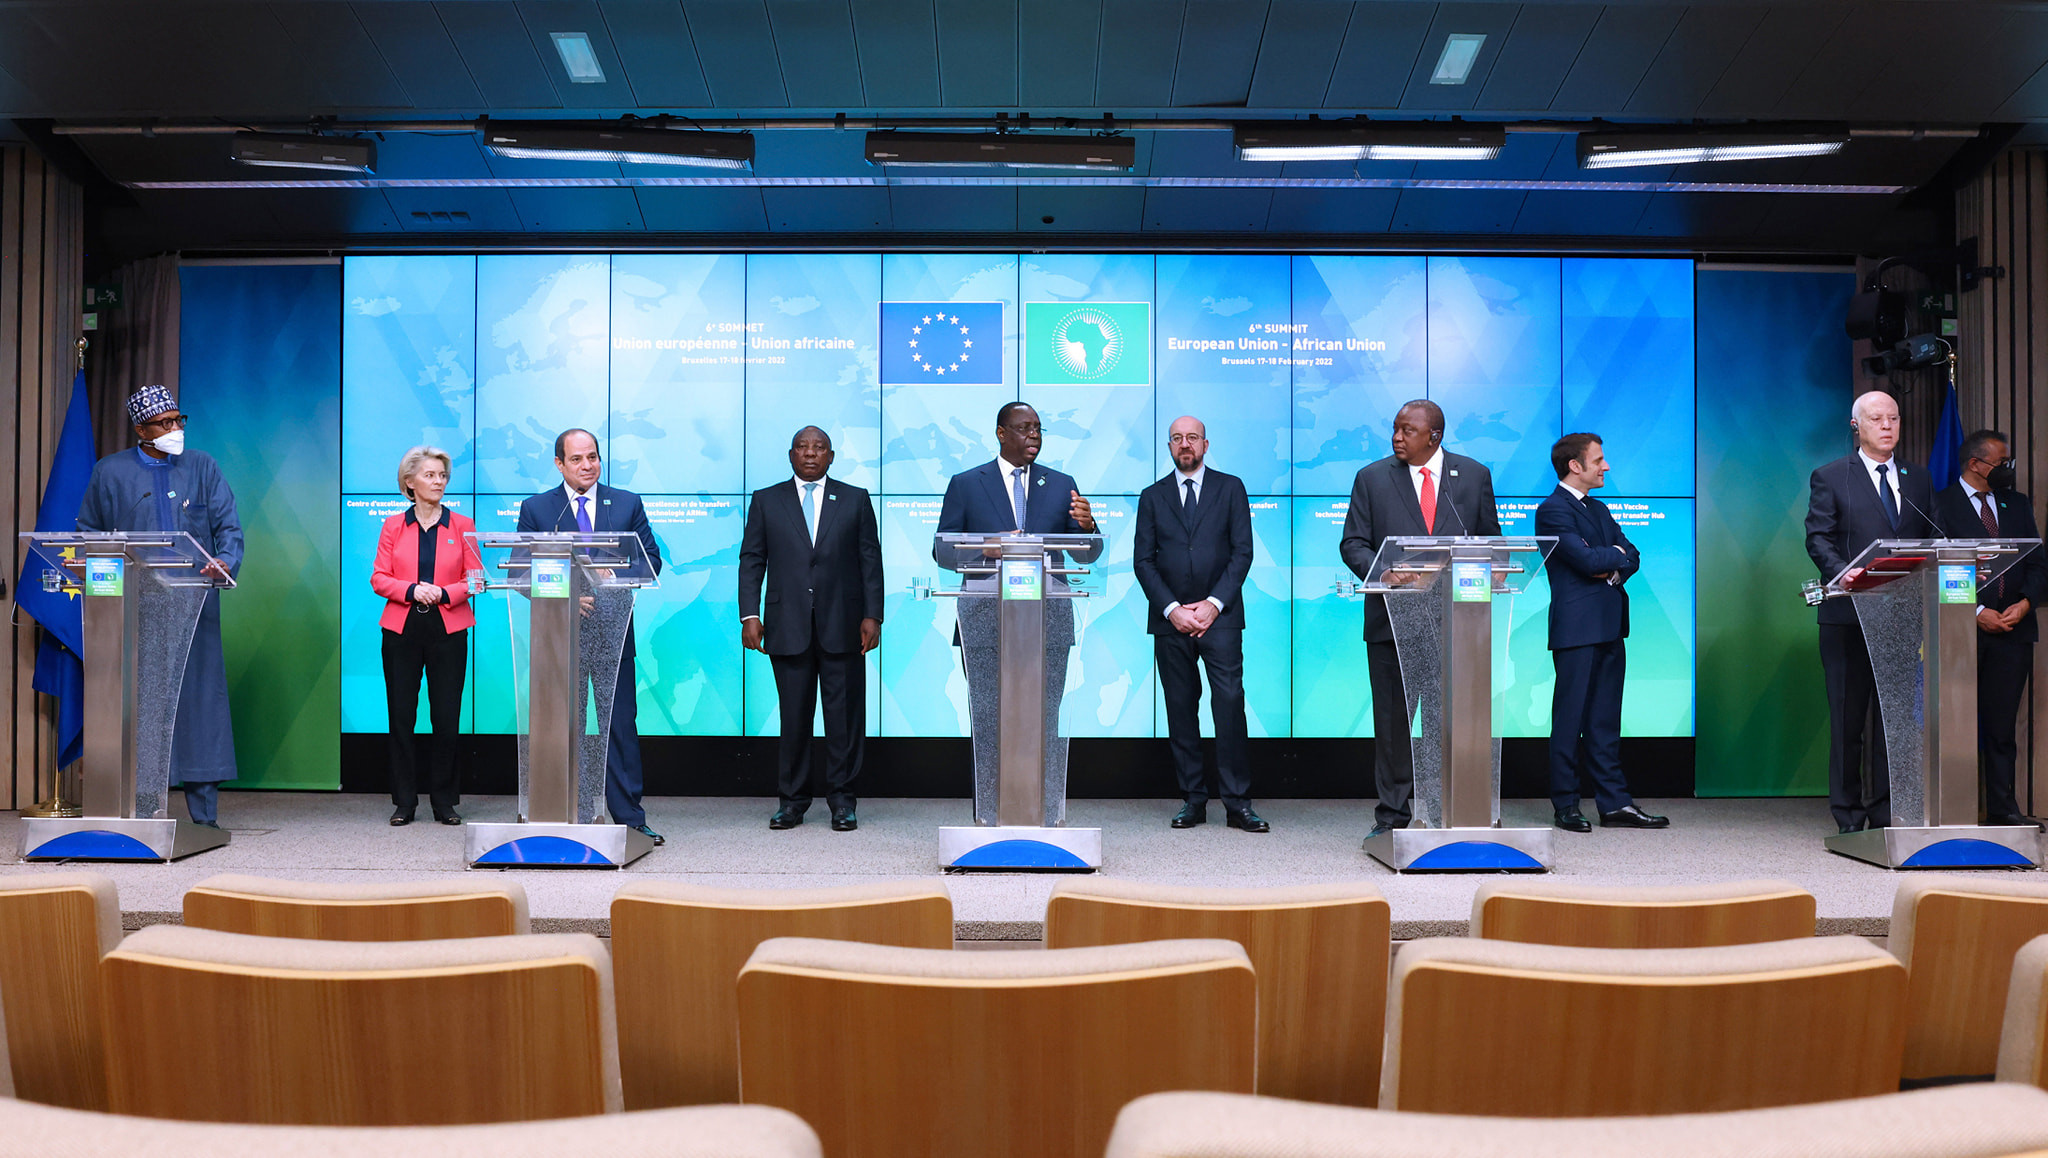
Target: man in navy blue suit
{"x": 1191, "y": 550}
{"x": 1588, "y": 624}
{"x": 1013, "y": 493}
{"x": 581, "y": 503}
{"x": 1983, "y": 504}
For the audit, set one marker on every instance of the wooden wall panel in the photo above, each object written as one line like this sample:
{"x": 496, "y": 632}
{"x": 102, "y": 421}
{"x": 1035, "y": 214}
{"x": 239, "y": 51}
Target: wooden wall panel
{"x": 42, "y": 267}
{"x": 2002, "y": 354}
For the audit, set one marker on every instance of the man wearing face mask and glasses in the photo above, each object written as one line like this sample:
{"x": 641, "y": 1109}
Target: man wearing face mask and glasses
{"x": 161, "y": 486}
{"x": 1983, "y": 504}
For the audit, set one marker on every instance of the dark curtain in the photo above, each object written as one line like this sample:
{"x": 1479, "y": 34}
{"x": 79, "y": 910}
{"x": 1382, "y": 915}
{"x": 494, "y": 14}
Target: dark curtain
{"x": 135, "y": 346}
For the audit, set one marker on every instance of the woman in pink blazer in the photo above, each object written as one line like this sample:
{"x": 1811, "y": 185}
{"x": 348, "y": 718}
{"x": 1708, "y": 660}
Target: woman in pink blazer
{"x": 424, "y": 559}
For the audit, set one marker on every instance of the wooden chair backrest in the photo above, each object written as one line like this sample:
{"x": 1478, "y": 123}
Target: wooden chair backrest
{"x": 676, "y": 964}
{"x": 1496, "y": 1041}
{"x": 1958, "y": 966}
{"x": 1779, "y": 915}
{"x": 51, "y": 940}
{"x": 483, "y": 913}
{"x": 891, "y": 1065}
{"x": 514, "y": 1040}
{"x": 1322, "y": 973}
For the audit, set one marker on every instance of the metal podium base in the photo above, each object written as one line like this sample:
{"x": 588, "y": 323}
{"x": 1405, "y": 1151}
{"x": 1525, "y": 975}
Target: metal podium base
{"x": 1957, "y": 846}
{"x": 532, "y": 845}
{"x": 1019, "y": 848}
{"x": 115, "y": 838}
{"x": 1463, "y": 850}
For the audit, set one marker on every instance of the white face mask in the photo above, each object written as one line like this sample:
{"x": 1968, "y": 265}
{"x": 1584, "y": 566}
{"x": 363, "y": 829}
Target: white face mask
{"x": 170, "y": 442}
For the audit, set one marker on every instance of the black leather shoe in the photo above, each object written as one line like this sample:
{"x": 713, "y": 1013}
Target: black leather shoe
{"x": 400, "y": 818}
{"x": 1846, "y": 829}
{"x": 1632, "y": 817}
{"x": 451, "y": 819}
{"x": 2014, "y": 821}
{"x": 1191, "y": 814}
{"x": 785, "y": 818}
{"x": 650, "y": 834}
{"x": 843, "y": 820}
{"x": 1247, "y": 820}
{"x": 1571, "y": 820}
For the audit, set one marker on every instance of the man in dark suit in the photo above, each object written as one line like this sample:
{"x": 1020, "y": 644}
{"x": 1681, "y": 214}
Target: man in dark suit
{"x": 1388, "y": 501}
{"x": 1192, "y": 550}
{"x": 1855, "y": 501}
{"x": 1588, "y": 622}
{"x": 581, "y": 503}
{"x": 816, "y": 542}
{"x": 1013, "y": 493}
{"x": 1983, "y": 504}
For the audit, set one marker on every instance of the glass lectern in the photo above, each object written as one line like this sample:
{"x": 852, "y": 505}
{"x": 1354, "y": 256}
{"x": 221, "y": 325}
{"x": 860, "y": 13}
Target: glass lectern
{"x": 578, "y": 608}
{"x": 1016, "y": 627}
{"x": 142, "y": 593}
{"x": 1440, "y": 598}
{"x": 1916, "y": 600}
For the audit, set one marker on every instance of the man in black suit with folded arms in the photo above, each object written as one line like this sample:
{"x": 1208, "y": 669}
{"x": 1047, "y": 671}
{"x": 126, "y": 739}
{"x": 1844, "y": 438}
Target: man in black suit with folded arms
{"x": 1013, "y": 493}
{"x": 1983, "y": 504}
{"x": 1420, "y": 489}
{"x": 1588, "y": 624}
{"x": 1855, "y": 501}
{"x": 1192, "y": 548}
{"x": 815, "y": 540}
{"x": 582, "y": 503}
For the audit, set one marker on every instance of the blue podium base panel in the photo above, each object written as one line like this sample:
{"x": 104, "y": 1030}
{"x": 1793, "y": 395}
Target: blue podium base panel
{"x": 1960, "y": 846}
{"x": 598, "y": 846}
{"x": 1463, "y": 850}
{"x": 114, "y": 838}
{"x": 1020, "y": 848}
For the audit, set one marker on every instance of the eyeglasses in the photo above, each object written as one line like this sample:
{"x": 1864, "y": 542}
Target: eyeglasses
{"x": 1184, "y": 439}
{"x": 167, "y": 422}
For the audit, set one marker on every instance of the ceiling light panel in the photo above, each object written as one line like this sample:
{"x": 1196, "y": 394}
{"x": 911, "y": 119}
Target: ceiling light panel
{"x": 1454, "y": 65}
{"x": 631, "y": 145}
{"x": 1360, "y": 141}
{"x": 579, "y": 60}
{"x": 1687, "y": 147}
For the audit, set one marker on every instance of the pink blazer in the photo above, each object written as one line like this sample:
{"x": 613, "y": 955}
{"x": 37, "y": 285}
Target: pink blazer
{"x": 398, "y": 568}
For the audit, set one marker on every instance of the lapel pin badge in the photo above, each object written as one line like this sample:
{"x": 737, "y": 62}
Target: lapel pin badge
{"x": 1454, "y": 474}
{"x": 1041, "y": 480}
{"x": 832, "y": 498}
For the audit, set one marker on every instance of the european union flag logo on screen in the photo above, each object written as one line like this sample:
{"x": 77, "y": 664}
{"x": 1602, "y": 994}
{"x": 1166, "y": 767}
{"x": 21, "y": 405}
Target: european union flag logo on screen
{"x": 942, "y": 342}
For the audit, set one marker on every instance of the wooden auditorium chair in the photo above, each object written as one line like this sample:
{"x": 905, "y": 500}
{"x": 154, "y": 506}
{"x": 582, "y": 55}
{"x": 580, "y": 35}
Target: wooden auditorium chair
{"x": 225, "y": 1027}
{"x": 1641, "y": 917}
{"x": 1029, "y": 1054}
{"x": 2023, "y": 1041}
{"x": 677, "y": 950}
{"x": 29, "y": 1131}
{"x": 1976, "y": 1121}
{"x": 1957, "y": 937}
{"x": 1320, "y": 953}
{"x": 54, "y": 928}
{"x": 386, "y": 911}
{"x": 1540, "y": 1031}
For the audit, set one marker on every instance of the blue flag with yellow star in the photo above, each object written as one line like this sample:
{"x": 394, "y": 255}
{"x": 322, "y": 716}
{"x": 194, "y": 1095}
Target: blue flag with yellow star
{"x": 942, "y": 342}
{"x": 59, "y": 671}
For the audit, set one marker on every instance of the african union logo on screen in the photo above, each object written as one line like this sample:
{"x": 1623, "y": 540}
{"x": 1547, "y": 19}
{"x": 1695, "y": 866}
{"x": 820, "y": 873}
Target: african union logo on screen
{"x": 1087, "y": 342}
{"x": 942, "y": 342}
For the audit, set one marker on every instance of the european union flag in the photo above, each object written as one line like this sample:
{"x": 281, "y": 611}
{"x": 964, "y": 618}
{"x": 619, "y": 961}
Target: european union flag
{"x": 59, "y": 671}
{"x": 942, "y": 342}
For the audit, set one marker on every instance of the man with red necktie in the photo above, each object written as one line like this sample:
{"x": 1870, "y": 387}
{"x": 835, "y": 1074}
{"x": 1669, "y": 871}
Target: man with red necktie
{"x": 1420, "y": 489}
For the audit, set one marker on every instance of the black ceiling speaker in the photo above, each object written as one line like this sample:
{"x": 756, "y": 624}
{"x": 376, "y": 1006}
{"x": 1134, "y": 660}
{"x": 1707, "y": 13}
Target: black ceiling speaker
{"x": 1878, "y": 315}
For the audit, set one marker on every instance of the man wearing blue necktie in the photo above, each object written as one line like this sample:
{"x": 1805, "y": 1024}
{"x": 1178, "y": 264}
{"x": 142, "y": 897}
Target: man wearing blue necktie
{"x": 1855, "y": 501}
{"x": 581, "y": 503}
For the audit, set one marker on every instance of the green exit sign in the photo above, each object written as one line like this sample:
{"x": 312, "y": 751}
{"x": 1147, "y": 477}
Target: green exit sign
{"x": 103, "y": 297}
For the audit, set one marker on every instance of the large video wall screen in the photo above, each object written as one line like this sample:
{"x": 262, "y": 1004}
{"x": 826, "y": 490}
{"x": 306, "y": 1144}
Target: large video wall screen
{"x": 696, "y": 369}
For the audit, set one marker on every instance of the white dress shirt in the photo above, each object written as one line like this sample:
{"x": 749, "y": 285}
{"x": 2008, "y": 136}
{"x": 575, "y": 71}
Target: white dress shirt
{"x": 810, "y": 516}
{"x": 1891, "y": 478}
{"x": 1436, "y": 474}
{"x": 1180, "y": 481}
{"x": 573, "y": 494}
{"x": 1977, "y": 498}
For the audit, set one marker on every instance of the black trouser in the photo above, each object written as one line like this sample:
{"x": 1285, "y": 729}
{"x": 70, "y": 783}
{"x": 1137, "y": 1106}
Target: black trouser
{"x": 841, "y": 678}
{"x": 1585, "y": 725}
{"x": 2003, "y": 665}
{"x": 428, "y": 647}
{"x": 1859, "y": 797}
{"x": 1221, "y": 650}
{"x": 1393, "y": 763}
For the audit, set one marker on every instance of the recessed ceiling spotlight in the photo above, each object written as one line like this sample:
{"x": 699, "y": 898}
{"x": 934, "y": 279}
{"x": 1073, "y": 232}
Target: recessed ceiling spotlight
{"x": 578, "y": 58}
{"x": 1455, "y": 64}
